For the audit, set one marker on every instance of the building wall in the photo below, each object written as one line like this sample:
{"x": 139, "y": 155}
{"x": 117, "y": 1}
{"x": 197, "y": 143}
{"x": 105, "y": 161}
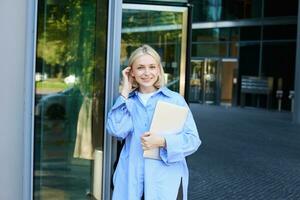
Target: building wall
{"x": 12, "y": 70}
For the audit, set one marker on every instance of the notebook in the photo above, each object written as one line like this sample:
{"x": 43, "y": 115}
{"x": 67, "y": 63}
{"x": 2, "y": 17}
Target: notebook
{"x": 167, "y": 119}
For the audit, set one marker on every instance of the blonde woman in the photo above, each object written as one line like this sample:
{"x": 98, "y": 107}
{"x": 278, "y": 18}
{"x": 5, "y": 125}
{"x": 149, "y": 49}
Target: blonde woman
{"x": 129, "y": 119}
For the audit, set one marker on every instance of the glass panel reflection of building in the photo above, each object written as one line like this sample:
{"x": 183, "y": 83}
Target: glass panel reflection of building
{"x": 68, "y": 98}
{"x": 244, "y": 47}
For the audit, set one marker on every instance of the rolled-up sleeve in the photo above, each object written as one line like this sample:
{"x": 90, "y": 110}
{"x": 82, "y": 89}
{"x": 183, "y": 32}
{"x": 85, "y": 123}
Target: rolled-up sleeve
{"x": 119, "y": 120}
{"x": 180, "y": 145}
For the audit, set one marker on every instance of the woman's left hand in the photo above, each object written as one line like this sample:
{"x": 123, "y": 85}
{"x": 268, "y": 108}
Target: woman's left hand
{"x": 150, "y": 141}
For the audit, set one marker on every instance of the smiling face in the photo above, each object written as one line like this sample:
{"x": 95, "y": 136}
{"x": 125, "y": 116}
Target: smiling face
{"x": 145, "y": 71}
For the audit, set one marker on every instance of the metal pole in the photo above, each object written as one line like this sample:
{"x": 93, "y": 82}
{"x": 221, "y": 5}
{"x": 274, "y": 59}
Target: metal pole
{"x": 31, "y": 24}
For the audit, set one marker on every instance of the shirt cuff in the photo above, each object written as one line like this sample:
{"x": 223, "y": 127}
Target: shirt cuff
{"x": 172, "y": 152}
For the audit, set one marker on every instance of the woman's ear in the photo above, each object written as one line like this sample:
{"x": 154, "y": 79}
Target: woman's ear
{"x": 131, "y": 72}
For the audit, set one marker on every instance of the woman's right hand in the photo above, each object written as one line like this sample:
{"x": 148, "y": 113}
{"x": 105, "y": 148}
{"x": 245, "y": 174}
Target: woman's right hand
{"x": 127, "y": 82}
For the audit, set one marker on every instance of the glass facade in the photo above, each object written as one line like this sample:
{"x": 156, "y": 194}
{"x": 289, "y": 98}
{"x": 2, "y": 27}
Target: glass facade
{"x": 223, "y": 10}
{"x": 226, "y": 10}
{"x": 69, "y": 97}
{"x": 243, "y": 61}
{"x": 252, "y": 45}
{"x": 215, "y": 42}
{"x": 280, "y": 8}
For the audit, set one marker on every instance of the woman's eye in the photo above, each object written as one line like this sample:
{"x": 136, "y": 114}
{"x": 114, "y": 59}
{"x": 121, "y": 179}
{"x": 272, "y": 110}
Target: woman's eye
{"x": 152, "y": 66}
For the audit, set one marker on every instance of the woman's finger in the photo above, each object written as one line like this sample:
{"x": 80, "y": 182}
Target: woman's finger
{"x": 126, "y": 71}
{"x": 146, "y": 134}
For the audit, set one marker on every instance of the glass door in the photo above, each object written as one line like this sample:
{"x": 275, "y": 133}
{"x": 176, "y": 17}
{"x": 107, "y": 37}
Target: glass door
{"x": 210, "y": 87}
{"x": 69, "y": 99}
{"x": 204, "y": 81}
{"x": 214, "y": 81}
{"x": 165, "y": 29}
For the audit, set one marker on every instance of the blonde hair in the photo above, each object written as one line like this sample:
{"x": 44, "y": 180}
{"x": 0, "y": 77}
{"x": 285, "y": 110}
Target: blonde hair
{"x": 147, "y": 50}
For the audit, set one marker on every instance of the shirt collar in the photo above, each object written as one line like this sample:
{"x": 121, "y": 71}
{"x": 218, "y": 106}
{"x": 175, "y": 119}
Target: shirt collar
{"x": 133, "y": 93}
{"x": 164, "y": 90}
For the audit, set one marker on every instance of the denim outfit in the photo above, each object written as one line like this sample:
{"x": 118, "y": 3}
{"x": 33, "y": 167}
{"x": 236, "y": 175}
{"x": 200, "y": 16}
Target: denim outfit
{"x": 157, "y": 179}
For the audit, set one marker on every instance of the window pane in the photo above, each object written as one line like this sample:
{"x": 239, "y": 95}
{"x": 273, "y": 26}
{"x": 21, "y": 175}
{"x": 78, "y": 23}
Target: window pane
{"x": 209, "y": 49}
{"x": 203, "y": 35}
{"x": 217, "y": 10}
{"x": 237, "y": 9}
{"x": 280, "y": 8}
{"x": 206, "y": 10}
{"x": 249, "y": 59}
{"x": 250, "y": 33}
{"x": 69, "y": 90}
{"x": 233, "y": 49}
{"x": 280, "y": 32}
{"x": 278, "y": 61}
{"x": 215, "y": 34}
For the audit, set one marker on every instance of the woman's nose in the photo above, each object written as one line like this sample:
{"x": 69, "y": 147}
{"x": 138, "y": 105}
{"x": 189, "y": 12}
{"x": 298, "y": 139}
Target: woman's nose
{"x": 147, "y": 71}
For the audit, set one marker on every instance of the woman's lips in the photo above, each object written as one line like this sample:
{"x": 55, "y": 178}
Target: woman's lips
{"x": 146, "y": 79}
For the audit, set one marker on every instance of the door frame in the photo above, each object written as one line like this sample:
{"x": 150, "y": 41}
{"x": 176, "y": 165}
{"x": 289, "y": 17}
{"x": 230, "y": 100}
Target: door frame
{"x": 113, "y": 68}
{"x": 114, "y": 26}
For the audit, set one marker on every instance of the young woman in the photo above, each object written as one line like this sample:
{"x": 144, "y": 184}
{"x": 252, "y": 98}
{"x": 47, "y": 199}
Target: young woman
{"x": 137, "y": 177}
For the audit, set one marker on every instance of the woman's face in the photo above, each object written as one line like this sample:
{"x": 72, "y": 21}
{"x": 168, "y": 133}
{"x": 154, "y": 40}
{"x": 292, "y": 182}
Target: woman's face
{"x": 145, "y": 70}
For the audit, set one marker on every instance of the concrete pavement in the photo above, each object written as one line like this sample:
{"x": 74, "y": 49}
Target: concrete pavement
{"x": 246, "y": 154}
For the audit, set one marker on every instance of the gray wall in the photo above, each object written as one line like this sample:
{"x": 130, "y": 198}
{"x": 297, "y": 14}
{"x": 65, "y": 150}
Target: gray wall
{"x": 12, "y": 70}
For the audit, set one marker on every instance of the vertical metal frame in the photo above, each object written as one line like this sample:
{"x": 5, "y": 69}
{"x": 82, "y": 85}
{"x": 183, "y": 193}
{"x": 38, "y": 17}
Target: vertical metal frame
{"x": 184, "y": 46}
{"x": 184, "y": 34}
{"x": 111, "y": 87}
{"x": 296, "y": 113}
{"x": 31, "y": 24}
{"x": 188, "y": 52}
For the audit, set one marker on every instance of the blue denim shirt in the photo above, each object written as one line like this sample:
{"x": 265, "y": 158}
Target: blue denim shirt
{"x": 158, "y": 179}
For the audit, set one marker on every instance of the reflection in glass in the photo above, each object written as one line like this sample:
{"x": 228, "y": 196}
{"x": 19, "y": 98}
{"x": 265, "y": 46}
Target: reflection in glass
{"x": 210, "y": 49}
{"x": 206, "y": 10}
{"x": 215, "y": 34}
{"x": 206, "y": 35}
{"x": 220, "y": 42}
{"x": 250, "y": 33}
{"x": 237, "y": 9}
{"x": 278, "y": 61}
{"x": 196, "y": 79}
{"x": 280, "y": 8}
{"x": 228, "y": 81}
{"x": 65, "y": 98}
{"x": 280, "y": 32}
{"x": 234, "y": 48}
{"x": 213, "y": 81}
{"x": 203, "y": 82}
{"x": 163, "y": 30}
{"x": 217, "y": 10}
{"x": 249, "y": 58}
